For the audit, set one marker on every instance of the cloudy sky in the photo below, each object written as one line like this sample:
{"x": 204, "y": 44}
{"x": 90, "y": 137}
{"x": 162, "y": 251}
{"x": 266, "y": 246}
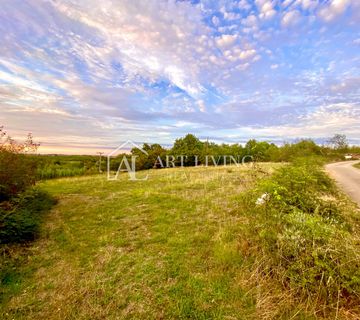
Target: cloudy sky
{"x": 86, "y": 75}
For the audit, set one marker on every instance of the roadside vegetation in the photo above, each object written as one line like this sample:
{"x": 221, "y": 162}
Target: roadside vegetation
{"x": 305, "y": 236}
{"x": 357, "y": 165}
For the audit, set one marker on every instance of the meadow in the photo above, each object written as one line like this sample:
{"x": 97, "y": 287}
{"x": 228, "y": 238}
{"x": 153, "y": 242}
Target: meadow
{"x": 189, "y": 243}
{"x": 59, "y": 166}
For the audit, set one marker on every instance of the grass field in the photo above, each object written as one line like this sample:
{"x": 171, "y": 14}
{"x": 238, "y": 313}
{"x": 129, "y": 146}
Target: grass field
{"x": 357, "y": 165}
{"x": 60, "y": 166}
{"x": 173, "y": 247}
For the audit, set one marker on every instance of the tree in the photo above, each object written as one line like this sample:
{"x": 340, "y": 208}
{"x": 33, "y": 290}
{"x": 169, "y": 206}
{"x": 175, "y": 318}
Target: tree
{"x": 260, "y": 150}
{"x": 189, "y": 146}
{"x": 339, "y": 142}
{"x": 300, "y": 148}
{"x": 153, "y": 151}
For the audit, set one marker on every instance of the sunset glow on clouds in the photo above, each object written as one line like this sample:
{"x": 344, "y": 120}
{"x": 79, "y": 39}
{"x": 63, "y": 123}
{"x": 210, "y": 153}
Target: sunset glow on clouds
{"x": 90, "y": 74}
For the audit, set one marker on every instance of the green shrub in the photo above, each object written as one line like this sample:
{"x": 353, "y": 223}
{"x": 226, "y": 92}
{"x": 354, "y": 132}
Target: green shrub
{"x": 17, "y": 169}
{"x": 20, "y": 218}
{"x": 304, "y": 235}
{"x": 300, "y": 186}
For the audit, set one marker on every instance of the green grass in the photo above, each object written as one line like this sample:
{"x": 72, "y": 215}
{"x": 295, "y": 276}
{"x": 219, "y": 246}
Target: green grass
{"x": 357, "y": 165}
{"x": 182, "y": 245}
{"x": 21, "y": 216}
{"x": 52, "y": 172}
{"x": 59, "y": 166}
{"x": 308, "y": 236}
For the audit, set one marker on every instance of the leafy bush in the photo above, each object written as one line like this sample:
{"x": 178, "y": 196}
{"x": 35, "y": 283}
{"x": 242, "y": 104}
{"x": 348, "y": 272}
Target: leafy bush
{"x": 17, "y": 169}
{"x": 299, "y": 187}
{"x": 20, "y": 205}
{"x": 304, "y": 235}
{"x": 20, "y": 218}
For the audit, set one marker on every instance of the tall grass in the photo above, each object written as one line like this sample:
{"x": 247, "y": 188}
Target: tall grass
{"x": 52, "y": 172}
{"x": 306, "y": 237}
{"x": 50, "y": 167}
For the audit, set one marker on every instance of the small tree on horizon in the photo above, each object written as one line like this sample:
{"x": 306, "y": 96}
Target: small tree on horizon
{"x": 339, "y": 142}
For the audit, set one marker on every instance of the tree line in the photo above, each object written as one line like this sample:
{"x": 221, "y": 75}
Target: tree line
{"x": 190, "y": 151}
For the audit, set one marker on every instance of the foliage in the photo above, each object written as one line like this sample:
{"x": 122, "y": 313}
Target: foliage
{"x": 190, "y": 147}
{"x": 20, "y": 205}
{"x": 148, "y": 161}
{"x": 59, "y": 166}
{"x": 304, "y": 235}
{"x": 193, "y": 151}
{"x": 301, "y": 148}
{"x": 20, "y": 218}
{"x": 339, "y": 142}
{"x": 17, "y": 170}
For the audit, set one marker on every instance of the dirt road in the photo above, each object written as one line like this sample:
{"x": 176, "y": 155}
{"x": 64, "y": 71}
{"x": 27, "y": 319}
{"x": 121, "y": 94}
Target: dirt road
{"x": 347, "y": 177}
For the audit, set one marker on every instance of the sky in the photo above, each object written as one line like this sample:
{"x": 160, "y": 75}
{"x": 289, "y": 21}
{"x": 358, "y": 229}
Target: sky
{"x": 85, "y": 76}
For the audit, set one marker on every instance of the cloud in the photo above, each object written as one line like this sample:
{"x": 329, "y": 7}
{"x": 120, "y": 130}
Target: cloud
{"x": 332, "y": 118}
{"x": 244, "y": 5}
{"x": 347, "y": 86}
{"x": 317, "y": 124}
{"x": 308, "y": 4}
{"x": 333, "y": 9}
{"x": 291, "y": 18}
{"x": 102, "y": 67}
{"x": 225, "y": 41}
{"x": 201, "y": 105}
{"x": 266, "y": 9}
{"x": 245, "y": 54}
{"x": 250, "y": 21}
{"x": 215, "y": 20}
{"x": 144, "y": 40}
